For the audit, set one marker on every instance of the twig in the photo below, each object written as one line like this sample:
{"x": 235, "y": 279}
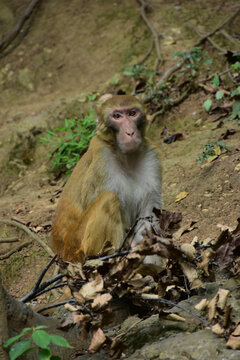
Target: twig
{"x": 159, "y": 60}
{"x": 168, "y": 302}
{"x": 112, "y": 256}
{"x": 56, "y": 286}
{"x": 38, "y": 282}
{"x": 8, "y": 240}
{"x": 30, "y": 233}
{"x": 32, "y": 295}
{"x": 12, "y": 35}
{"x": 52, "y": 306}
{"x": 17, "y": 248}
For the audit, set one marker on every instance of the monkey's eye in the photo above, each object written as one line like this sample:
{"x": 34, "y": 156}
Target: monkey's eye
{"x": 116, "y": 115}
{"x": 132, "y": 112}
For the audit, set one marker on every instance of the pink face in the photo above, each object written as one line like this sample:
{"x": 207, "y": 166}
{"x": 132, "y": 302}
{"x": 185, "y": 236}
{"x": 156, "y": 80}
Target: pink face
{"x": 127, "y": 123}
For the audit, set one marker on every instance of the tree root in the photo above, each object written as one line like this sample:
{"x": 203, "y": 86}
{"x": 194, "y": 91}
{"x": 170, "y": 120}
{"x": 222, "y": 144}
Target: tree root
{"x": 30, "y": 233}
{"x": 8, "y": 240}
{"x": 180, "y": 63}
{"x": 159, "y": 60}
{"x": 16, "y": 249}
{"x": 16, "y": 30}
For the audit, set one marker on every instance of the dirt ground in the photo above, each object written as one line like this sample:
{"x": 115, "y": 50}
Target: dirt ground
{"x": 75, "y": 48}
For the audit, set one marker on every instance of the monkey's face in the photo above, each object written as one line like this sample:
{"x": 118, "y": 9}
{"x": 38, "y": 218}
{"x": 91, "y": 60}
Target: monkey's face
{"x": 127, "y": 124}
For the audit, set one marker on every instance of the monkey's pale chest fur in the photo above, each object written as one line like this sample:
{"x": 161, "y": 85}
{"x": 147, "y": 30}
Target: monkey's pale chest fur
{"x": 136, "y": 181}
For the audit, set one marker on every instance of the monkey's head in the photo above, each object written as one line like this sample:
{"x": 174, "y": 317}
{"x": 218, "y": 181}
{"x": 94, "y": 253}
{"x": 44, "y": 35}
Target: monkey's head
{"x": 122, "y": 122}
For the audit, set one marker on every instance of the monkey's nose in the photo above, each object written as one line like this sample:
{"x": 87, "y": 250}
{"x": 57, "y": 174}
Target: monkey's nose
{"x": 130, "y": 133}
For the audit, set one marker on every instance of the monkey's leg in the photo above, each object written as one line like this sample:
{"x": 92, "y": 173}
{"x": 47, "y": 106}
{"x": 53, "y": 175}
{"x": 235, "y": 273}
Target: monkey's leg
{"x": 100, "y": 227}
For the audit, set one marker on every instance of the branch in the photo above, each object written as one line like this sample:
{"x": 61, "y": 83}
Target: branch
{"x": 30, "y": 233}
{"x": 13, "y": 34}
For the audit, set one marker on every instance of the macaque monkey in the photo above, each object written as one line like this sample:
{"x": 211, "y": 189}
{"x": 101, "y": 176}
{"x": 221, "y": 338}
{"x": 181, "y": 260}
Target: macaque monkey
{"x": 117, "y": 181}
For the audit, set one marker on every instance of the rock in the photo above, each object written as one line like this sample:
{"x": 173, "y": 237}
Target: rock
{"x": 200, "y": 345}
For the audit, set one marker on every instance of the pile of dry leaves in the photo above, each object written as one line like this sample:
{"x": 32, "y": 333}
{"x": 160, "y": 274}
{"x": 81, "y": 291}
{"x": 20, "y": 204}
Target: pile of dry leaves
{"x": 98, "y": 284}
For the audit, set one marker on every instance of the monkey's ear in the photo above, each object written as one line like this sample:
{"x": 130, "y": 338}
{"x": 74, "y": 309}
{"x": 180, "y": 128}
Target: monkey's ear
{"x": 99, "y": 103}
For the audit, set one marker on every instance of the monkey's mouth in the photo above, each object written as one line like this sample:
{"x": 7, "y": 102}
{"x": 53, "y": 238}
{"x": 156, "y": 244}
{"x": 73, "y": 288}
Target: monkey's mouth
{"x": 130, "y": 146}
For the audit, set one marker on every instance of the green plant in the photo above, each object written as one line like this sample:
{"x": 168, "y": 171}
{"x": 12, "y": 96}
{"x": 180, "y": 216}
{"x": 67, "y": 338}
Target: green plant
{"x": 70, "y": 141}
{"x": 137, "y": 71}
{"x": 192, "y": 58}
{"x": 211, "y": 150}
{"x": 39, "y": 341}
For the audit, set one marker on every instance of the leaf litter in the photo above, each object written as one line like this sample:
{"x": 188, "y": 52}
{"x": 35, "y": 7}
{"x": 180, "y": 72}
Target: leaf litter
{"x": 98, "y": 284}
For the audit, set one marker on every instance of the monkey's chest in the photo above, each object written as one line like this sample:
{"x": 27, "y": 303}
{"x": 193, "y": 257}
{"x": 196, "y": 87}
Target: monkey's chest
{"x": 137, "y": 186}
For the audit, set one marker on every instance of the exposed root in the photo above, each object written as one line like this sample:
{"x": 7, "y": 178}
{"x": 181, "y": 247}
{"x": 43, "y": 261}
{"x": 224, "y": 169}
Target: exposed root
{"x": 30, "y": 233}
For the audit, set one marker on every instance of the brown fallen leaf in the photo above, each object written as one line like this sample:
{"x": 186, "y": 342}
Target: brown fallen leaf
{"x": 217, "y": 329}
{"x": 234, "y": 339}
{"x": 92, "y": 288}
{"x": 98, "y": 340}
{"x": 101, "y": 300}
{"x": 202, "y": 305}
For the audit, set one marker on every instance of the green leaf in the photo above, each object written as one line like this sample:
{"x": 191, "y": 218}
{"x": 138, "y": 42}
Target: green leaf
{"x": 44, "y": 354}
{"x": 216, "y": 81}
{"x": 60, "y": 341}
{"x": 236, "y": 66}
{"x": 54, "y": 357}
{"x": 19, "y": 349}
{"x": 14, "y": 338}
{"x": 235, "y": 92}
{"x": 40, "y": 327}
{"x": 207, "y": 105}
{"x": 236, "y": 109}
{"x": 41, "y": 338}
{"x": 219, "y": 95}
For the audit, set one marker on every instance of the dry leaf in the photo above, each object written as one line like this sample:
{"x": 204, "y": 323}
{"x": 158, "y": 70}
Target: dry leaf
{"x": 92, "y": 288}
{"x": 98, "y": 340}
{"x": 175, "y": 317}
{"x": 189, "y": 250}
{"x": 101, "y": 301}
{"x": 234, "y": 339}
{"x": 192, "y": 275}
{"x": 70, "y": 307}
{"x": 80, "y": 318}
{"x": 202, "y": 305}
{"x": 217, "y": 329}
{"x": 180, "y": 196}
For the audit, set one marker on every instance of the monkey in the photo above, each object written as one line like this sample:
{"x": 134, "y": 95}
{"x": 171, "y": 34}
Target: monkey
{"x": 116, "y": 182}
